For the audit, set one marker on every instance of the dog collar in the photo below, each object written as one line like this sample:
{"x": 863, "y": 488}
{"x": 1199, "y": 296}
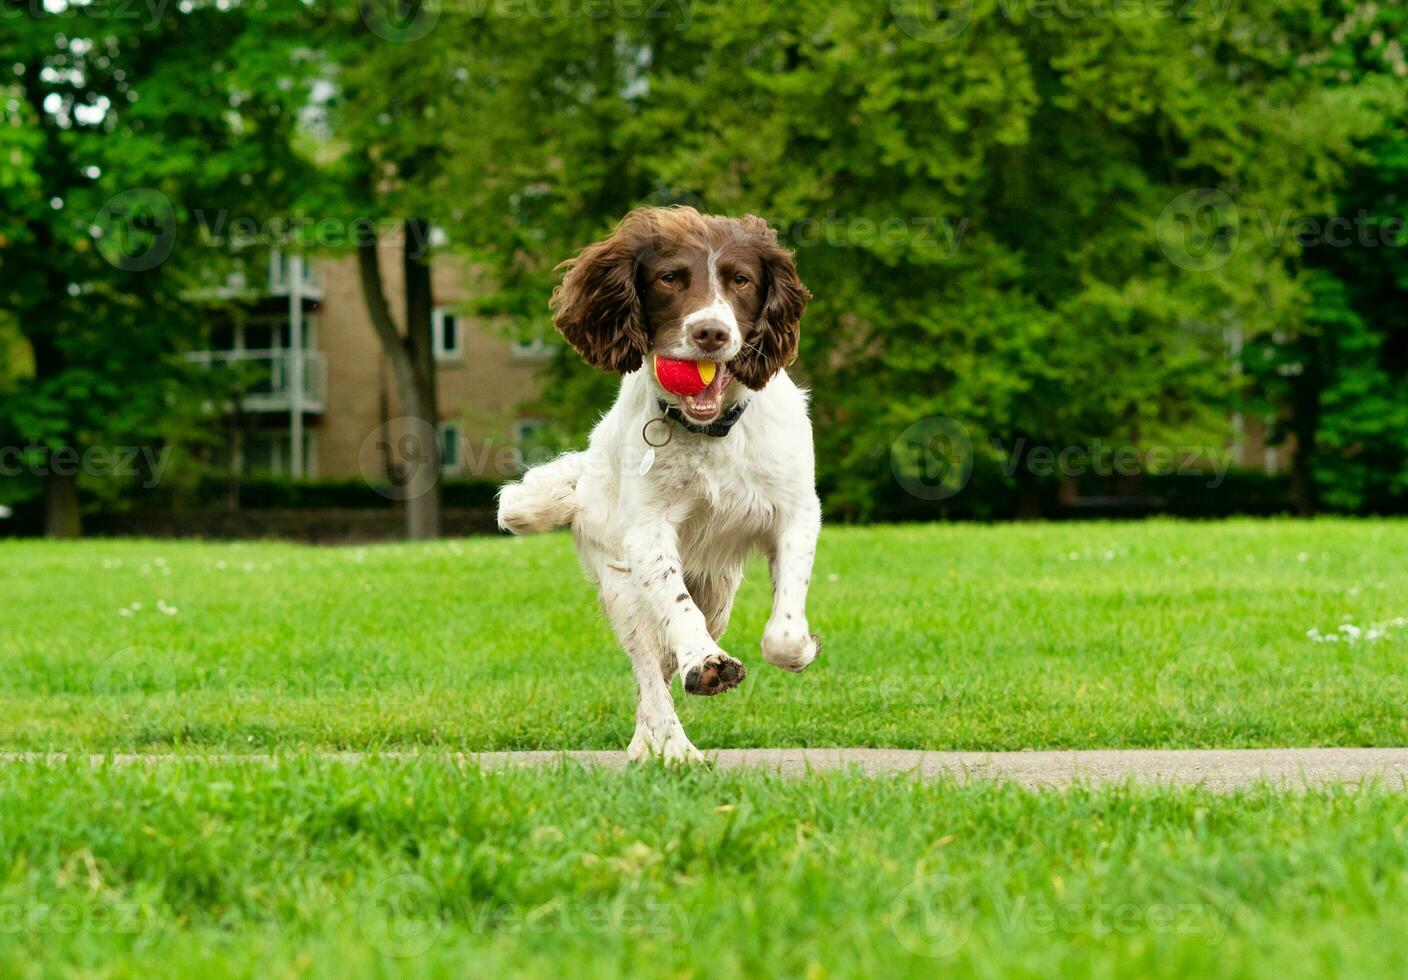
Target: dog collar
{"x": 718, "y": 428}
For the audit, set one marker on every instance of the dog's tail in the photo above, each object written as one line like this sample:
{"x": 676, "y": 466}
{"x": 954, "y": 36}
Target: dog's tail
{"x": 544, "y": 499}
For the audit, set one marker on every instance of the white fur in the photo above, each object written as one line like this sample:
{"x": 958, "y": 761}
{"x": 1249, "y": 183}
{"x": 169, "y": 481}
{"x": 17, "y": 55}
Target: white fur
{"x": 719, "y": 311}
{"x": 667, "y": 549}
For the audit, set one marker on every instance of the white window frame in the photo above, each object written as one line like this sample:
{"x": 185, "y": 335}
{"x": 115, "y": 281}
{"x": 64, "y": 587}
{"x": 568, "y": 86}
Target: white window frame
{"x": 278, "y": 271}
{"x": 437, "y": 334}
{"x": 530, "y": 350}
{"x": 442, "y": 430}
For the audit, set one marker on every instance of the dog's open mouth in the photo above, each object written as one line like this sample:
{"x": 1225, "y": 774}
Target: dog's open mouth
{"x": 709, "y": 403}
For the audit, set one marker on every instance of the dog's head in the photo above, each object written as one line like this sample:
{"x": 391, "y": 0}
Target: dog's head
{"x": 687, "y": 286}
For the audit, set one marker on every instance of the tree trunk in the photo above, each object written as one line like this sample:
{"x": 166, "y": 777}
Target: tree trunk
{"x": 412, "y": 359}
{"x": 422, "y": 510}
{"x": 62, "y": 518}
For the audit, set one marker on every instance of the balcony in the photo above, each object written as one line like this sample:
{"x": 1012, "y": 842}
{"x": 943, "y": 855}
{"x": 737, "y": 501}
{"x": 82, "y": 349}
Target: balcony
{"x": 268, "y": 379}
{"x": 287, "y": 273}
{"x": 275, "y": 276}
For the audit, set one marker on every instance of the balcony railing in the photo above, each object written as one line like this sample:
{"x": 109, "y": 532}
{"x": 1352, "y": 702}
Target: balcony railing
{"x": 267, "y": 379}
{"x": 274, "y": 276}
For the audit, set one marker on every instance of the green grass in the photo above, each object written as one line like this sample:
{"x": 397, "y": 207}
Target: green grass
{"x": 321, "y": 869}
{"x": 964, "y": 637}
{"x": 1097, "y": 635}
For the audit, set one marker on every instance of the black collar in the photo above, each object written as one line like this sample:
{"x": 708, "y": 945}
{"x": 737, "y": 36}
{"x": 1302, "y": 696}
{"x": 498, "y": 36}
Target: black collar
{"x": 717, "y": 428}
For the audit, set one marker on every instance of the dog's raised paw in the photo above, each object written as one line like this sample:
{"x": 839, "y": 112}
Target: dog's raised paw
{"x": 790, "y": 650}
{"x": 718, "y": 673}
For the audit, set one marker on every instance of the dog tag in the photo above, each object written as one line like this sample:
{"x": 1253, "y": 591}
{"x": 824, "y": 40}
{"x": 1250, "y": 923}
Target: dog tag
{"x": 647, "y": 460}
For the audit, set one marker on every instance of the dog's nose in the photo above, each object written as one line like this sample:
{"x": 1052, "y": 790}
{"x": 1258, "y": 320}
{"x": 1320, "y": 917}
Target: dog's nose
{"x": 709, "y": 336}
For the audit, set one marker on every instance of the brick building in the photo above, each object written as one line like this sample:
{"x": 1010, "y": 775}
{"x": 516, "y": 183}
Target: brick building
{"x": 314, "y": 384}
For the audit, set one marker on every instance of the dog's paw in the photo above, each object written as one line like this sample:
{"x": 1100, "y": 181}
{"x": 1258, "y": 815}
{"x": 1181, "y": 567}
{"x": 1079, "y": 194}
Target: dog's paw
{"x": 716, "y": 674}
{"x": 791, "y": 648}
{"x": 674, "y": 749}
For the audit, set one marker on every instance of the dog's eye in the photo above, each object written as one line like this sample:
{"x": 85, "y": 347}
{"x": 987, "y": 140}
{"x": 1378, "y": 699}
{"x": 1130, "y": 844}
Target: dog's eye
{"x": 670, "y": 278}
{"x": 741, "y": 280}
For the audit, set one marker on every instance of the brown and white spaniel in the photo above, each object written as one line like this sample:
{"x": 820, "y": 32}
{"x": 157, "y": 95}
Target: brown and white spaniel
{"x": 674, "y": 492}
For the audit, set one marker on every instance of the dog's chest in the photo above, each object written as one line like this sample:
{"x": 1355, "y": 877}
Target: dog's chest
{"x": 717, "y": 484}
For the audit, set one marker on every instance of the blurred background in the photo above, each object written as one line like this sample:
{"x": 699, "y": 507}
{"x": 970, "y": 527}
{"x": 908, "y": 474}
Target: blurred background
{"x": 282, "y": 267}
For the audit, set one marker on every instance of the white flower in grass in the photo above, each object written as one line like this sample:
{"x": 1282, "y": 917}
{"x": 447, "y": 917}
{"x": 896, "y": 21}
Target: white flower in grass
{"x": 127, "y": 613}
{"x": 1351, "y": 633}
{"x": 164, "y": 609}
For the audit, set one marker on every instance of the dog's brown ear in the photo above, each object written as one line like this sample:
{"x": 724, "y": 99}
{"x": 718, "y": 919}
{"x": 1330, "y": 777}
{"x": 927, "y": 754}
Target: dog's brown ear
{"x": 597, "y": 307}
{"x": 773, "y": 345}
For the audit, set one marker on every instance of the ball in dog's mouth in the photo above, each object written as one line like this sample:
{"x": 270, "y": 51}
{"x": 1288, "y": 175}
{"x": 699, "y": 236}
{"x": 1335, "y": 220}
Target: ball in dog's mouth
{"x": 699, "y": 385}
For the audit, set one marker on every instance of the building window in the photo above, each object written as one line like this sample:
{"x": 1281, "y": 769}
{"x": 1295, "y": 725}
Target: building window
{"x": 278, "y": 271}
{"x": 531, "y": 350}
{"x": 268, "y": 452}
{"x": 451, "y": 447}
{"x": 526, "y": 430}
{"x": 445, "y": 331}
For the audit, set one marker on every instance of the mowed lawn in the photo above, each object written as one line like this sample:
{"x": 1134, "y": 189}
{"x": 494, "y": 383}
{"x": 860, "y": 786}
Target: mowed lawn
{"x": 1162, "y": 634}
{"x": 308, "y": 867}
{"x": 1157, "y": 634}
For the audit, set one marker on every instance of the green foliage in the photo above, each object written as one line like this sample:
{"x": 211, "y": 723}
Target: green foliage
{"x": 985, "y": 217}
{"x": 1051, "y": 228}
{"x": 116, "y": 130}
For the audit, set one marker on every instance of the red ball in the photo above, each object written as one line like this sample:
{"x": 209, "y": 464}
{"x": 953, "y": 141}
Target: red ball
{"x": 684, "y": 377}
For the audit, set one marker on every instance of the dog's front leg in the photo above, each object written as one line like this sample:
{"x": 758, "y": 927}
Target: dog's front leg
{"x": 652, "y": 552}
{"x": 787, "y": 640}
{"x": 659, "y": 734}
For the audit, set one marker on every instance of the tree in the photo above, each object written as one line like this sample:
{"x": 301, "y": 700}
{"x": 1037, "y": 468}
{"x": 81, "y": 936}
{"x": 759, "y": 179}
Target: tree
{"x": 1335, "y": 379}
{"x": 107, "y": 144}
{"x": 999, "y": 217}
{"x": 381, "y": 84}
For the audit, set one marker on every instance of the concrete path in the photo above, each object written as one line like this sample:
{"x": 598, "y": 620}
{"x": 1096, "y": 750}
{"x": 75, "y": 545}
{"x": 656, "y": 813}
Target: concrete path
{"x": 1219, "y": 769}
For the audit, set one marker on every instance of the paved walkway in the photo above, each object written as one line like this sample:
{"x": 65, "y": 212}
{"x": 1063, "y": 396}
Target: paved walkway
{"x": 1221, "y": 769}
